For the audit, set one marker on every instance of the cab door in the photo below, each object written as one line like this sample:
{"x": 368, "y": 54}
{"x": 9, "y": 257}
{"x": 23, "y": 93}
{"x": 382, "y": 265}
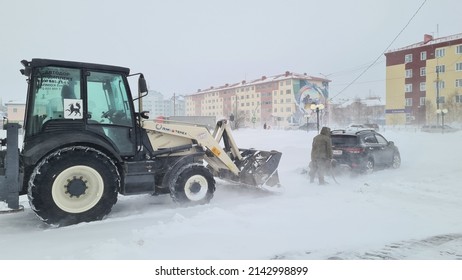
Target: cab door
{"x": 110, "y": 111}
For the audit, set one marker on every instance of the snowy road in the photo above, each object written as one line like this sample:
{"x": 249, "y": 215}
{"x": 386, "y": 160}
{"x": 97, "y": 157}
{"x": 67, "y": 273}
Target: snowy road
{"x": 414, "y": 212}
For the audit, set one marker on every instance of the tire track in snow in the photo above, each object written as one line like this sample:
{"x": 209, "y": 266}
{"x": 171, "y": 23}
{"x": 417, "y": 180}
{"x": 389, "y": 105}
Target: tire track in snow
{"x": 446, "y": 246}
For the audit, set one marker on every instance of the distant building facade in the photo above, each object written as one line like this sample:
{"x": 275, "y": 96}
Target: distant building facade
{"x": 358, "y": 111}
{"x": 175, "y": 106}
{"x": 422, "y": 78}
{"x": 158, "y": 106}
{"x": 154, "y": 103}
{"x": 15, "y": 111}
{"x": 278, "y": 100}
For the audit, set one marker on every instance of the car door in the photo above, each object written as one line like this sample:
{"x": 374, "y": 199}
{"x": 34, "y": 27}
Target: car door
{"x": 373, "y": 148}
{"x": 386, "y": 150}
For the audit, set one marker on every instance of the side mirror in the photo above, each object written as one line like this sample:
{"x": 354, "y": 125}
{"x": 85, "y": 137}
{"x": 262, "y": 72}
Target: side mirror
{"x": 142, "y": 87}
{"x": 391, "y": 143}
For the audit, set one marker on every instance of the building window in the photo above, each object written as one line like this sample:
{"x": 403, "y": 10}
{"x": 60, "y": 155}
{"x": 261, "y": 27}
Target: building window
{"x": 408, "y": 88}
{"x": 440, "y": 100}
{"x": 422, "y": 101}
{"x": 408, "y": 58}
{"x": 408, "y": 73}
{"x": 408, "y": 102}
{"x": 288, "y": 91}
{"x": 459, "y": 49}
{"x": 441, "y": 84}
{"x": 288, "y": 109}
{"x": 288, "y": 82}
{"x": 423, "y": 55}
{"x": 459, "y": 66}
{"x": 458, "y": 82}
{"x": 281, "y": 83}
{"x": 15, "y": 110}
{"x": 423, "y": 71}
{"x": 458, "y": 98}
{"x": 423, "y": 86}
{"x": 440, "y": 68}
{"x": 440, "y": 52}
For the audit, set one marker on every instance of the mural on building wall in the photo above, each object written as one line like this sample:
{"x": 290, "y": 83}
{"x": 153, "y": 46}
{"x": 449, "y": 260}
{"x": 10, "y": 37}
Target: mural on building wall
{"x": 308, "y": 94}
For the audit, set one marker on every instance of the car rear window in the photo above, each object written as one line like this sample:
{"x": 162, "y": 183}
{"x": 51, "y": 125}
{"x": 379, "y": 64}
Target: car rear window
{"x": 344, "y": 140}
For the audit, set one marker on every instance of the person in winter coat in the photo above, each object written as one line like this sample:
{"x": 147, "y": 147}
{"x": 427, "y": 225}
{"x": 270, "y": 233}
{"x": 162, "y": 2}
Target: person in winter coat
{"x": 321, "y": 155}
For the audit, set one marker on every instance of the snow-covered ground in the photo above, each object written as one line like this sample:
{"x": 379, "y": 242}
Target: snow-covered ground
{"x": 414, "y": 212}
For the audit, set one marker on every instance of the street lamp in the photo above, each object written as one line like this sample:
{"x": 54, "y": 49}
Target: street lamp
{"x": 442, "y": 112}
{"x": 317, "y": 107}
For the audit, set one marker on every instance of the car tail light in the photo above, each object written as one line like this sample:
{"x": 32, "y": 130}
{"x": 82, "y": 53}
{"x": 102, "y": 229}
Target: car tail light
{"x": 354, "y": 150}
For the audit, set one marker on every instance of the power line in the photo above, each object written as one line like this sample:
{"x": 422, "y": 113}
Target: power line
{"x": 350, "y": 70}
{"x": 388, "y": 47}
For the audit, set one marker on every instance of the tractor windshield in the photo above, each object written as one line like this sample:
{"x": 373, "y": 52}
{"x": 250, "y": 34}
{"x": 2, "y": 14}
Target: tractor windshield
{"x": 55, "y": 95}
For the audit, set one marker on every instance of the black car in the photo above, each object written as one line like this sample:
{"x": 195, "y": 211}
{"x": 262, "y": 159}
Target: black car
{"x": 364, "y": 150}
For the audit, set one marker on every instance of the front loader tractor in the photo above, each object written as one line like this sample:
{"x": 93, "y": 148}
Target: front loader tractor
{"x": 84, "y": 143}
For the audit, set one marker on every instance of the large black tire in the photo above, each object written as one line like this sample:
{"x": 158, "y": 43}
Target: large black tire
{"x": 73, "y": 185}
{"x": 192, "y": 184}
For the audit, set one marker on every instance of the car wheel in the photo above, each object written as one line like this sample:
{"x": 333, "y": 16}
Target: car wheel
{"x": 369, "y": 167}
{"x": 396, "y": 161}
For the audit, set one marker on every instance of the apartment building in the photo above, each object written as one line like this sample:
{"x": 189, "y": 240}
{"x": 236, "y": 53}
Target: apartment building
{"x": 279, "y": 100}
{"x": 423, "y": 79}
{"x": 157, "y": 105}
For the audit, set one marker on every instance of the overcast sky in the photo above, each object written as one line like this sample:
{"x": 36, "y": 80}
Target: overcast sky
{"x": 182, "y": 46}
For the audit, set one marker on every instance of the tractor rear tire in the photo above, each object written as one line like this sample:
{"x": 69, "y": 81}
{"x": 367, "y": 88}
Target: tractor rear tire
{"x": 73, "y": 185}
{"x": 193, "y": 184}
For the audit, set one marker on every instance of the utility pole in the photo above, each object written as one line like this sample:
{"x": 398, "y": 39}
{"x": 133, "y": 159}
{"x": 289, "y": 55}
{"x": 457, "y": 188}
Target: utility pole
{"x": 235, "y": 115}
{"x": 174, "y": 105}
{"x": 437, "y": 93}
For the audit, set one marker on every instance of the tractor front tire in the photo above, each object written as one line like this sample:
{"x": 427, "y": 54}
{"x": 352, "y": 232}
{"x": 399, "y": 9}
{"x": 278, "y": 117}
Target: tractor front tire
{"x": 73, "y": 185}
{"x": 193, "y": 184}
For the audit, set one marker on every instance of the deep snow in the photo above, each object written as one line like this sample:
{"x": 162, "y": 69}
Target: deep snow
{"x": 413, "y": 212}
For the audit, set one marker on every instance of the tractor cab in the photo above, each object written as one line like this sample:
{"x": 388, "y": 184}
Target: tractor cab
{"x": 77, "y": 99}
